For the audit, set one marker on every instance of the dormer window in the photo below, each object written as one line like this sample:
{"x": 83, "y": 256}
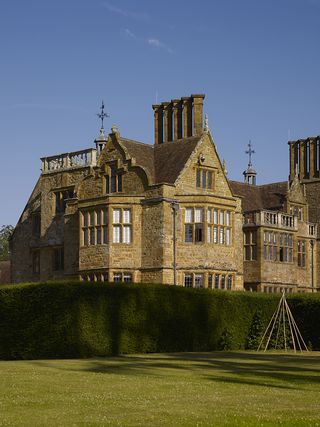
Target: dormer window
{"x": 113, "y": 181}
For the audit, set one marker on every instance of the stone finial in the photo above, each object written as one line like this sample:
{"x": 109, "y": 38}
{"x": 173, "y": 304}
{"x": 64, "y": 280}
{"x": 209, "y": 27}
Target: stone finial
{"x": 114, "y": 129}
{"x": 206, "y": 123}
{"x": 224, "y": 167}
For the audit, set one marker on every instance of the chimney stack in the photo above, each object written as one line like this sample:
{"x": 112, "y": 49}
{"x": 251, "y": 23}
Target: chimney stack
{"x": 180, "y": 118}
{"x": 158, "y": 124}
{"x": 197, "y": 113}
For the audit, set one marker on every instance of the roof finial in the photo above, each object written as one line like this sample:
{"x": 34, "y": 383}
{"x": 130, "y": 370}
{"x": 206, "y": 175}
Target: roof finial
{"x": 102, "y": 115}
{"x": 250, "y": 152}
{"x": 250, "y": 173}
{"x": 206, "y": 123}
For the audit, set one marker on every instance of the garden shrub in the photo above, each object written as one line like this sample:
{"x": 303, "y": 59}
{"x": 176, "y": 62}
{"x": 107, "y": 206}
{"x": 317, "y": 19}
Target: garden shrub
{"x": 71, "y": 319}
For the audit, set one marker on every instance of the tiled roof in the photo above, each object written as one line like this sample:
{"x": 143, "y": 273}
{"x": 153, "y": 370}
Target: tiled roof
{"x": 163, "y": 162}
{"x": 257, "y": 197}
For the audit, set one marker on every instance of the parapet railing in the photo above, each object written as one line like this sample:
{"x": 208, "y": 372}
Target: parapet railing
{"x": 271, "y": 218}
{"x": 77, "y": 159}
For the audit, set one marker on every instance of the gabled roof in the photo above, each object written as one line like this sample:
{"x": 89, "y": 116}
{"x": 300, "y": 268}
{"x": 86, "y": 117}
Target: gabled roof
{"x": 257, "y": 197}
{"x": 163, "y": 162}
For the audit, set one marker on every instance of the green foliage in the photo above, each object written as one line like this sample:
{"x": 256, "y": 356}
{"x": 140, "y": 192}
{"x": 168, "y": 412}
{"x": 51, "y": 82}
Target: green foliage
{"x": 70, "y": 319}
{"x": 5, "y": 234}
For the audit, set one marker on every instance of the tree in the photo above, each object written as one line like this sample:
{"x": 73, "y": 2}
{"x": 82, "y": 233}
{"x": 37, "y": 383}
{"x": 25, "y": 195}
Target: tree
{"x": 5, "y": 234}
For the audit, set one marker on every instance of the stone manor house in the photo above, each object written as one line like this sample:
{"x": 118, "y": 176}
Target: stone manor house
{"x": 125, "y": 211}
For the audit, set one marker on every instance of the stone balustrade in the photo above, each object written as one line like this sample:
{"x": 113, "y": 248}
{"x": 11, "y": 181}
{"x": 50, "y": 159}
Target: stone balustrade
{"x": 272, "y": 219}
{"x": 82, "y": 158}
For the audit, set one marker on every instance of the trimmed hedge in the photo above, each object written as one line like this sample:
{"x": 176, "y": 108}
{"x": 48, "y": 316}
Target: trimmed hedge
{"x": 64, "y": 320}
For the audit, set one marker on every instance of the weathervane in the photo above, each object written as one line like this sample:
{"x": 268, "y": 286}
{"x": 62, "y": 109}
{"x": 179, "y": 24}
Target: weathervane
{"x": 250, "y": 152}
{"x": 102, "y": 115}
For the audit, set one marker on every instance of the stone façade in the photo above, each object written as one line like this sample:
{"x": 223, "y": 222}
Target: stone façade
{"x": 108, "y": 214}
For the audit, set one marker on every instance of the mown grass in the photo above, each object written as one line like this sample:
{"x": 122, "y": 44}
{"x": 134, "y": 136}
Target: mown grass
{"x": 181, "y": 389}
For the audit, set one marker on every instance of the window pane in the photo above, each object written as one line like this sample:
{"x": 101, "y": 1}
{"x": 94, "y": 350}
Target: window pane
{"x": 92, "y": 240}
{"x": 105, "y": 234}
{"x": 98, "y": 217}
{"x": 198, "y": 177}
{"x": 204, "y": 179}
{"x": 209, "y": 180}
{"x": 127, "y": 277}
{"x": 221, "y": 216}
{"x": 229, "y": 282}
{"x": 91, "y": 214}
{"x": 85, "y": 237}
{"x": 198, "y": 215}
{"x": 117, "y": 277}
{"x": 215, "y": 234}
{"x": 85, "y": 219}
{"x": 223, "y": 281}
{"x": 107, "y": 184}
{"x": 188, "y": 280}
{"x": 210, "y": 280}
{"x": 222, "y": 235}
{"x": 215, "y": 216}
{"x": 116, "y": 216}
{"x": 126, "y": 216}
{"x": 116, "y": 234}
{"x": 228, "y": 218}
{"x": 99, "y": 236}
{"x": 188, "y": 215}
{"x": 199, "y": 232}
{"x": 126, "y": 234}
{"x": 188, "y": 234}
{"x": 105, "y": 216}
{"x": 198, "y": 279}
{"x": 209, "y": 215}
{"x": 216, "y": 281}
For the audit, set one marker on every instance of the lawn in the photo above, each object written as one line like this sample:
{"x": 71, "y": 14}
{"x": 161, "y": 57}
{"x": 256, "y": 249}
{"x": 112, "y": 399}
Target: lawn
{"x": 182, "y": 389}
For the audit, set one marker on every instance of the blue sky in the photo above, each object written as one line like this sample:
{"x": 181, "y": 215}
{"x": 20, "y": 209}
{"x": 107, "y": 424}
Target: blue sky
{"x": 257, "y": 61}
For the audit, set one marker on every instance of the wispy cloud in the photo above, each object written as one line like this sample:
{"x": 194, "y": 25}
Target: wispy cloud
{"x": 140, "y": 16}
{"x": 159, "y": 45}
{"x": 151, "y": 41}
{"x": 130, "y": 33}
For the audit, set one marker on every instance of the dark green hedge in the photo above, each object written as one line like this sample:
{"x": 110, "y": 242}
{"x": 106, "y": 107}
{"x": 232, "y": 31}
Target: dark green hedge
{"x": 56, "y": 320}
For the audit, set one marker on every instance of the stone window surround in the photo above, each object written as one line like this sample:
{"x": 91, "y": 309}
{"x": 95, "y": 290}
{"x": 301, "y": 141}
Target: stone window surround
{"x": 250, "y": 245}
{"x": 225, "y": 280}
{"x": 58, "y": 259}
{"x": 214, "y": 230}
{"x": 302, "y": 253}
{"x": 282, "y": 244}
{"x": 35, "y": 254}
{"x": 113, "y": 179}
{"x": 205, "y": 178}
{"x": 106, "y": 226}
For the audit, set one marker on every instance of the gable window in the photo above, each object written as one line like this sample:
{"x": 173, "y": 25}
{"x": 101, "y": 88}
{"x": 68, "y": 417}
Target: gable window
{"x": 61, "y": 198}
{"x": 250, "y": 245}
{"x": 58, "y": 259}
{"x": 122, "y": 225}
{"x": 204, "y": 178}
{"x": 95, "y": 227}
{"x": 194, "y": 225}
{"x": 113, "y": 181}
{"x": 301, "y": 253}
